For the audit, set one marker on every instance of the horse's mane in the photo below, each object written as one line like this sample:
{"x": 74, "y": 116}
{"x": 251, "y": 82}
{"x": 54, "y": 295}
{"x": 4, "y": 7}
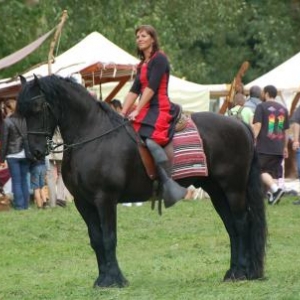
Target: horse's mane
{"x": 54, "y": 87}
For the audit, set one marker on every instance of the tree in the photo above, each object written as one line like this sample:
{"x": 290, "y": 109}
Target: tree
{"x": 206, "y": 41}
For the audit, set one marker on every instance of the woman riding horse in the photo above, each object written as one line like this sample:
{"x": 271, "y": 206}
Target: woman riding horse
{"x": 155, "y": 115}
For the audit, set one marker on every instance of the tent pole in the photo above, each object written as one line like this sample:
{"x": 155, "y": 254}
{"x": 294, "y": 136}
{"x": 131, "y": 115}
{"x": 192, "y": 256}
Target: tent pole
{"x": 54, "y": 40}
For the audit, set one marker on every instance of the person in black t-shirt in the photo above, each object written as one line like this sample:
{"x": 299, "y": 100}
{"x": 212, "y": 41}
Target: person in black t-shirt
{"x": 270, "y": 124}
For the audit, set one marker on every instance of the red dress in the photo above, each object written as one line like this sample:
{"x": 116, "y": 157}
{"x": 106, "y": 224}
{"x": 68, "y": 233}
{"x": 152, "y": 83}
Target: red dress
{"x": 156, "y": 119}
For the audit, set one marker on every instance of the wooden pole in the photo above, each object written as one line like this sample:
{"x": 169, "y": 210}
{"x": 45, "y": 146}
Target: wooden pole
{"x": 54, "y": 40}
{"x": 235, "y": 85}
{"x": 117, "y": 88}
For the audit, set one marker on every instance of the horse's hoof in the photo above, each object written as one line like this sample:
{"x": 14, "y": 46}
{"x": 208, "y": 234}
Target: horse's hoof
{"x": 234, "y": 275}
{"x": 105, "y": 282}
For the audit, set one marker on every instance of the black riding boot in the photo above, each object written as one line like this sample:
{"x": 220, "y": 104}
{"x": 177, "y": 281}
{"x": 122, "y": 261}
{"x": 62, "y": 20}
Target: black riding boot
{"x": 171, "y": 190}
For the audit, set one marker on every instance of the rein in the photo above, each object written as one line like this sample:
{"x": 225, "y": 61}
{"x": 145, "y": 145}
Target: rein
{"x": 52, "y": 146}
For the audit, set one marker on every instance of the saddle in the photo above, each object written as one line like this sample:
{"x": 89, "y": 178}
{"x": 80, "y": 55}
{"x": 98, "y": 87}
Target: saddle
{"x": 148, "y": 161}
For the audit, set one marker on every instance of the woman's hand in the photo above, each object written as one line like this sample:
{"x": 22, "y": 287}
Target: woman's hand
{"x": 133, "y": 115}
{"x": 3, "y": 165}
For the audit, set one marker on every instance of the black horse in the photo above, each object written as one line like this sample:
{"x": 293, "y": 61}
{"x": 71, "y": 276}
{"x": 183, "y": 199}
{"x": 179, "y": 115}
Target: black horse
{"x": 102, "y": 167}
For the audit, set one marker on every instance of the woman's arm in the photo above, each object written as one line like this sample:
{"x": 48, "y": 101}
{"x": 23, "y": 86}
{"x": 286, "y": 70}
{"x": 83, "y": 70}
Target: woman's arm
{"x": 256, "y": 129}
{"x": 146, "y": 97}
{"x": 129, "y": 101}
{"x": 158, "y": 69}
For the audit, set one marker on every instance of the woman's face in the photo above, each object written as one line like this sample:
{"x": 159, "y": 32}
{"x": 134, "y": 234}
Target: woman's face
{"x": 144, "y": 40}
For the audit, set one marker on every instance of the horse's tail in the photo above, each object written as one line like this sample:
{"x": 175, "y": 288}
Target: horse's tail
{"x": 257, "y": 221}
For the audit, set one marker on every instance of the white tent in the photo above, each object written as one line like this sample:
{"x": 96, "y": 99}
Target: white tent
{"x": 193, "y": 97}
{"x": 99, "y": 60}
{"x": 285, "y": 77}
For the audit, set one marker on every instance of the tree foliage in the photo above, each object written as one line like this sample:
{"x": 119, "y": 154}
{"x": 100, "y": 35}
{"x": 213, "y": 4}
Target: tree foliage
{"x": 206, "y": 41}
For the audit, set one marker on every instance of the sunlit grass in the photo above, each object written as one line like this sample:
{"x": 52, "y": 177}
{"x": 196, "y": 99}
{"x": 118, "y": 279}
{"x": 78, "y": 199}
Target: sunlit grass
{"x": 182, "y": 254}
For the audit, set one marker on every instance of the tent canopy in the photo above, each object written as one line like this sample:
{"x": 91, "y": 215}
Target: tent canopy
{"x": 95, "y": 57}
{"x": 98, "y": 60}
{"x": 25, "y": 51}
{"x": 286, "y": 78}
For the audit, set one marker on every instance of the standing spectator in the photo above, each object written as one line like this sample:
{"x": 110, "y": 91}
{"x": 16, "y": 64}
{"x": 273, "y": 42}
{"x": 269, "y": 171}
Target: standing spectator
{"x": 14, "y": 148}
{"x": 56, "y": 187}
{"x": 240, "y": 111}
{"x": 270, "y": 126}
{"x": 9, "y": 107}
{"x": 296, "y": 145}
{"x": 37, "y": 176}
{"x": 254, "y": 99}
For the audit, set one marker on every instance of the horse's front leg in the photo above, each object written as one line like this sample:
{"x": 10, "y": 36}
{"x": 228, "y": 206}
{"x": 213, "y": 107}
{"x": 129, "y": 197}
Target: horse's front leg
{"x": 109, "y": 271}
{"x": 101, "y": 223}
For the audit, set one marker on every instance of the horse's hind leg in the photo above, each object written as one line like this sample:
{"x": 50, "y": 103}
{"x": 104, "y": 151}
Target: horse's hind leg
{"x": 239, "y": 270}
{"x": 101, "y": 223}
{"x": 236, "y": 226}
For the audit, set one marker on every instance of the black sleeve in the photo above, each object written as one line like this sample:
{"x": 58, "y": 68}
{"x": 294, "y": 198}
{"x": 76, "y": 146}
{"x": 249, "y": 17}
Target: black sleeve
{"x": 136, "y": 86}
{"x": 160, "y": 66}
{"x": 4, "y": 139}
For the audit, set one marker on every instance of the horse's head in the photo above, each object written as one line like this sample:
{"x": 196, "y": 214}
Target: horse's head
{"x": 40, "y": 117}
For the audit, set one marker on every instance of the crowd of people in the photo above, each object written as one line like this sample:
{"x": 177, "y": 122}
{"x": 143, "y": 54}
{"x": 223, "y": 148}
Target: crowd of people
{"x": 29, "y": 177}
{"x": 270, "y": 122}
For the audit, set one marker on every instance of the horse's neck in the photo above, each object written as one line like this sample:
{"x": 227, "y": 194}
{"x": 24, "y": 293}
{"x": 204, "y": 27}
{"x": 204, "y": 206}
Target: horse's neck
{"x": 78, "y": 122}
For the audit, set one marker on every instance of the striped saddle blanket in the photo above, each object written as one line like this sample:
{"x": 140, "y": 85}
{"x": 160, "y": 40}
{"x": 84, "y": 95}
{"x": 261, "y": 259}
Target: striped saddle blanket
{"x": 189, "y": 157}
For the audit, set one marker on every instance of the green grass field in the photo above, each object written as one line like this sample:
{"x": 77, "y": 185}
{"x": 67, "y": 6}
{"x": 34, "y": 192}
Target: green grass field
{"x": 182, "y": 254}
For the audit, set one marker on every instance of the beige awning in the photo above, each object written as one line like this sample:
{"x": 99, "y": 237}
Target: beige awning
{"x": 22, "y": 53}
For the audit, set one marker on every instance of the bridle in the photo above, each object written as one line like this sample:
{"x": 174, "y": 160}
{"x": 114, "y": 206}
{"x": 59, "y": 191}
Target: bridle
{"x": 46, "y": 131}
{"x": 46, "y": 109}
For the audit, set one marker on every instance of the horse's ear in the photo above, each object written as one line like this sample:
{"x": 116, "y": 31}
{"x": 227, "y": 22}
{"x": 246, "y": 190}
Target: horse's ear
{"x": 23, "y": 79}
{"x": 36, "y": 80}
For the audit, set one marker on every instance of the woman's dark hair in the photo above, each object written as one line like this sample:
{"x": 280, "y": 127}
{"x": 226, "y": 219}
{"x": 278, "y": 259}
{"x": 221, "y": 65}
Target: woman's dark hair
{"x": 152, "y": 32}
